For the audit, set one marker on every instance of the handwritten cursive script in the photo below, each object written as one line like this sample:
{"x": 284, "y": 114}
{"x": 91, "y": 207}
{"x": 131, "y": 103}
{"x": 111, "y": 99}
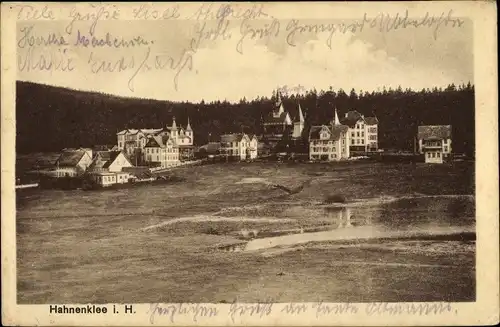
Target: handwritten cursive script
{"x": 192, "y": 310}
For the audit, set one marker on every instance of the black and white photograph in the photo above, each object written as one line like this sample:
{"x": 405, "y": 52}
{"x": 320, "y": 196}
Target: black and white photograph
{"x": 221, "y": 153}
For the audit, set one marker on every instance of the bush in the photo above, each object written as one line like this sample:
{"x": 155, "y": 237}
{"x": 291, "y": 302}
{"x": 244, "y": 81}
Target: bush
{"x": 335, "y": 198}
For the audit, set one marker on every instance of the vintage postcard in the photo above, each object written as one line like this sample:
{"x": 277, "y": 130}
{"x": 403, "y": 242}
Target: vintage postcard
{"x": 266, "y": 164}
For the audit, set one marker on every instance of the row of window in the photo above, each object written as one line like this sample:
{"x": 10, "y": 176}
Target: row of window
{"x": 157, "y": 150}
{"x": 162, "y": 157}
{"x": 323, "y": 157}
{"x": 326, "y": 149}
{"x": 433, "y": 154}
{"x": 326, "y": 142}
{"x": 357, "y": 141}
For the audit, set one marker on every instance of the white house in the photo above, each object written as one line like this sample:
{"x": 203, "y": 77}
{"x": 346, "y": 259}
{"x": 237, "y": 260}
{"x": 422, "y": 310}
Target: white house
{"x": 239, "y": 146}
{"x": 107, "y": 168}
{"x": 329, "y": 142}
{"x": 434, "y": 142}
{"x": 162, "y": 150}
{"x": 72, "y": 163}
{"x": 363, "y": 131}
{"x": 133, "y": 141}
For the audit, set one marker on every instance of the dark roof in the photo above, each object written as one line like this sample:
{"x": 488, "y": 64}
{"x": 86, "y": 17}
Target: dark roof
{"x": 104, "y": 159}
{"x": 353, "y": 116}
{"x": 434, "y": 132}
{"x": 334, "y": 130}
{"x": 371, "y": 120}
{"x": 211, "y": 147}
{"x": 237, "y": 137}
{"x": 70, "y": 158}
{"x": 112, "y": 155}
{"x": 157, "y": 141}
{"x": 276, "y": 120}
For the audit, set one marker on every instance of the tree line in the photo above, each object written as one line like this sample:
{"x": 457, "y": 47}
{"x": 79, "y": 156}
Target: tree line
{"x": 50, "y": 118}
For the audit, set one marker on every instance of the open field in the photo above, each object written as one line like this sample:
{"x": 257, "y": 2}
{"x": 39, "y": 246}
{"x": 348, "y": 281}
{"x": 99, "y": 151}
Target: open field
{"x": 227, "y": 234}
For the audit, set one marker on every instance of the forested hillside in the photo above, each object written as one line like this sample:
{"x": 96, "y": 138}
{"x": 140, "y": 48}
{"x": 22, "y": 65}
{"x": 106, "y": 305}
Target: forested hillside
{"x": 50, "y": 118}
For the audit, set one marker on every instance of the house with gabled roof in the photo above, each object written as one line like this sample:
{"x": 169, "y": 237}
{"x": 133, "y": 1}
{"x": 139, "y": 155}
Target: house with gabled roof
{"x": 161, "y": 151}
{"x": 133, "y": 141}
{"x": 239, "y": 146}
{"x": 278, "y": 122}
{"x": 107, "y": 168}
{"x": 329, "y": 142}
{"x": 72, "y": 163}
{"x": 434, "y": 142}
{"x": 363, "y": 131}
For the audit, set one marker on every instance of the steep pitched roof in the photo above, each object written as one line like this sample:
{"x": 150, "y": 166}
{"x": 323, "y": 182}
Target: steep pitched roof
{"x": 434, "y": 132}
{"x": 70, "y": 158}
{"x": 112, "y": 157}
{"x": 334, "y": 131}
{"x": 236, "y": 137}
{"x": 351, "y": 118}
{"x": 371, "y": 120}
{"x": 104, "y": 159}
{"x": 156, "y": 141}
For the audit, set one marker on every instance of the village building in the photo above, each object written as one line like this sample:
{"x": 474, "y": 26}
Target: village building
{"x": 278, "y": 124}
{"x": 107, "y": 168}
{"x": 161, "y": 151}
{"x": 434, "y": 142}
{"x": 71, "y": 163}
{"x": 329, "y": 142}
{"x": 363, "y": 131}
{"x": 133, "y": 141}
{"x": 239, "y": 146}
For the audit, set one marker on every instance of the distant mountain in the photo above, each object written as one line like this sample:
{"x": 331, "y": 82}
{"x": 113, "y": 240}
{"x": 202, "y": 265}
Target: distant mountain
{"x": 50, "y": 118}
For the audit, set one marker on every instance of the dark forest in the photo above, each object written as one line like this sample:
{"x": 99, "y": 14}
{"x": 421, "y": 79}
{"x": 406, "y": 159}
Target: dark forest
{"x": 51, "y": 118}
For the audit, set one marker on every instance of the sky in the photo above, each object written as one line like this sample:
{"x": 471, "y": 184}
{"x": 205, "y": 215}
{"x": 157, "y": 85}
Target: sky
{"x": 233, "y": 65}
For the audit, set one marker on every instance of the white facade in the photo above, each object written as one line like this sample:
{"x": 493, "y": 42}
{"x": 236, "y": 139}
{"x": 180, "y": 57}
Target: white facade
{"x": 363, "y": 131}
{"x": 105, "y": 179}
{"x": 239, "y": 146}
{"x": 329, "y": 143}
{"x": 163, "y": 151}
{"x": 133, "y": 141}
{"x": 72, "y": 163}
{"x": 434, "y": 142}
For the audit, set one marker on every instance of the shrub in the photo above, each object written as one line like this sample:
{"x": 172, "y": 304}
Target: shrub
{"x": 335, "y": 198}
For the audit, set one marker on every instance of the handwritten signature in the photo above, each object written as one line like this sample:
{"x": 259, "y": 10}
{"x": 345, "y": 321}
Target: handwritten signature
{"x": 193, "y": 310}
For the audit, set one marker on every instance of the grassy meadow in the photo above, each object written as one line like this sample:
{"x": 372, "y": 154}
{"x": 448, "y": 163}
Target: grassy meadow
{"x": 162, "y": 243}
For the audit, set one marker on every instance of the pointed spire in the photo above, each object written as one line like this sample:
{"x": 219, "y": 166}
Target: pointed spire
{"x": 278, "y": 98}
{"x": 188, "y": 127}
{"x": 174, "y": 125}
{"x": 336, "y": 121}
{"x": 301, "y": 115}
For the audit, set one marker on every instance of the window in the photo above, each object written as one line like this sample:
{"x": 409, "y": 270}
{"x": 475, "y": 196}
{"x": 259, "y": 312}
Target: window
{"x": 362, "y": 141}
{"x": 358, "y": 134}
{"x": 352, "y": 134}
{"x": 438, "y": 154}
{"x": 445, "y": 148}
{"x": 362, "y": 134}
{"x": 352, "y": 141}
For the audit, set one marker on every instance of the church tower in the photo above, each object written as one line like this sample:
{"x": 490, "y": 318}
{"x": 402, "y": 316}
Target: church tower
{"x": 298, "y": 126}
